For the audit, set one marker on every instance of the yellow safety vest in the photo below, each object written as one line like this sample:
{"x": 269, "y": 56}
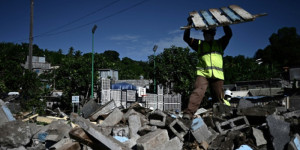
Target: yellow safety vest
{"x": 210, "y": 63}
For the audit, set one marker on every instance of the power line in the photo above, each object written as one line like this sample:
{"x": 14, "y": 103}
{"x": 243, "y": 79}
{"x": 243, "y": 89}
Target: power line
{"x": 71, "y": 22}
{"x": 101, "y": 19}
{"x": 76, "y": 20}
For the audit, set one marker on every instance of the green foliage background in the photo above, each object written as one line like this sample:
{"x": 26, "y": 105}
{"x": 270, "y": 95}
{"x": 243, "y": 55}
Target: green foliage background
{"x": 175, "y": 68}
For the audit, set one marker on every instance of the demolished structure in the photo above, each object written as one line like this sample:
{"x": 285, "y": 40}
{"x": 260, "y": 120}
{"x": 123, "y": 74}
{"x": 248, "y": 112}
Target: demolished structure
{"x": 264, "y": 123}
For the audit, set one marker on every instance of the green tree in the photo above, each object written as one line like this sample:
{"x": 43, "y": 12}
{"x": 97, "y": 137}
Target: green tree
{"x": 176, "y": 66}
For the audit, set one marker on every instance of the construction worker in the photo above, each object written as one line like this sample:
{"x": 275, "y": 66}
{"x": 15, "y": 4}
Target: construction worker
{"x": 227, "y": 97}
{"x": 209, "y": 68}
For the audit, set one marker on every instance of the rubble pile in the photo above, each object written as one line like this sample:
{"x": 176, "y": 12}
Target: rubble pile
{"x": 248, "y": 125}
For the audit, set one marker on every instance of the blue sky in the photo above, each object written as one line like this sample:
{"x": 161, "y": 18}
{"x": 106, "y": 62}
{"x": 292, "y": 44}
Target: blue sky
{"x": 133, "y": 27}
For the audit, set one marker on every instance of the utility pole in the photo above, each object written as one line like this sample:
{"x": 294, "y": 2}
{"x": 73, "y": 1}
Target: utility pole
{"x": 30, "y": 36}
{"x": 93, "y": 31}
{"x": 154, "y": 50}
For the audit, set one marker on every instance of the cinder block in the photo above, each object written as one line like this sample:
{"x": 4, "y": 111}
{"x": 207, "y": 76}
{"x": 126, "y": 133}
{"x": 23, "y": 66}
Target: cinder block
{"x": 237, "y": 123}
{"x": 157, "y": 118}
{"x": 103, "y": 110}
{"x": 259, "y": 137}
{"x": 108, "y": 141}
{"x": 153, "y": 140}
{"x": 134, "y": 124}
{"x": 113, "y": 118}
{"x": 178, "y": 128}
{"x": 280, "y": 130}
{"x": 200, "y": 130}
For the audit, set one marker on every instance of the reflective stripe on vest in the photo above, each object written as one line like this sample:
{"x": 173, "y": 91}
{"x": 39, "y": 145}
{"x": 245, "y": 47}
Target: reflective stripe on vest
{"x": 210, "y": 61}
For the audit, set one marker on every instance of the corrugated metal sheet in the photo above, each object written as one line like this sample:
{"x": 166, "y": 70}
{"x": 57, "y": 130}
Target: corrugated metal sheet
{"x": 215, "y": 17}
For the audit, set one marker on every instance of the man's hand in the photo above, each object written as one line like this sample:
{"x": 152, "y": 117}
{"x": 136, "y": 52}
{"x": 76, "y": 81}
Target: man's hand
{"x": 190, "y": 21}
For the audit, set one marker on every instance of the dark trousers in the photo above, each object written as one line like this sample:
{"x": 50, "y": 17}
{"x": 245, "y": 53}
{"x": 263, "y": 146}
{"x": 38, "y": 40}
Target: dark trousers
{"x": 200, "y": 86}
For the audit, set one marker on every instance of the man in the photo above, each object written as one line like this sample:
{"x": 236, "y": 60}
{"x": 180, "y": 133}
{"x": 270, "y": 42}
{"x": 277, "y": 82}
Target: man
{"x": 209, "y": 68}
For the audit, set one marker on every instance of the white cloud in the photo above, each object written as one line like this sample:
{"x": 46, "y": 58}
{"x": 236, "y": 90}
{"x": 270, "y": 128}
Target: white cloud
{"x": 126, "y": 37}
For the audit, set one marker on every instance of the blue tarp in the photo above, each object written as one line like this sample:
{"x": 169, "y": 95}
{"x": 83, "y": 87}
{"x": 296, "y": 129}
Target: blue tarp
{"x": 123, "y": 86}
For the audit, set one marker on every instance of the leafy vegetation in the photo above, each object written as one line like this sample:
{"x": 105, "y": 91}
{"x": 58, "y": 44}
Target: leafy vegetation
{"x": 175, "y": 68}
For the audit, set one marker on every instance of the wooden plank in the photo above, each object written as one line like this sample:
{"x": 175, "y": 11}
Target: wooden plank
{"x": 231, "y": 15}
{"x": 197, "y": 20}
{"x": 222, "y": 19}
{"x": 29, "y": 118}
{"x": 243, "y": 13}
{"x": 209, "y": 19}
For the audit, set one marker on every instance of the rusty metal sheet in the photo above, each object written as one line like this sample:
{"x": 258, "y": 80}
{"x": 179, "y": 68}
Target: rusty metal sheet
{"x": 209, "y": 19}
{"x": 221, "y": 18}
{"x": 243, "y": 13}
{"x": 232, "y": 14}
{"x": 197, "y": 20}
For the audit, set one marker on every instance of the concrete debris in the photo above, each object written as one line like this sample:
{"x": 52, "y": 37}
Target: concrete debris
{"x": 259, "y": 137}
{"x": 103, "y": 110}
{"x": 294, "y": 144}
{"x": 157, "y": 118}
{"x": 233, "y": 124}
{"x": 113, "y": 118}
{"x": 153, "y": 140}
{"x": 15, "y": 134}
{"x": 179, "y": 128}
{"x": 200, "y": 130}
{"x": 280, "y": 130}
{"x": 245, "y": 125}
{"x": 5, "y": 113}
{"x": 108, "y": 141}
{"x": 89, "y": 108}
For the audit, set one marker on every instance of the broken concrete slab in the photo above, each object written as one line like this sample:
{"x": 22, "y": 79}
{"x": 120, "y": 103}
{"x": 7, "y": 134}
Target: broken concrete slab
{"x": 61, "y": 143}
{"x": 58, "y": 130}
{"x": 113, "y": 118}
{"x": 157, "y": 118}
{"x": 19, "y": 148}
{"x": 233, "y": 124}
{"x": 108, "y": 141}
{"x": 84, "y": 138}
{"x": 152, "y": 140}
{"x": 257, "y": 111}
{"x": 173, "y": 144}
{"x": 5, "y": 114}
{"x": 259, "y": 137}
{"x": 89, "y": 108}
{"x": 200, "y": 130}
{"x": 143, "y": 118}
{"x": 103, "y": 110}
{"x": 15, "y": 134}
{"x": 280, "y": 130}
{"x": 134, "y": 125}
{"x": 179, "y": 128}
{"x": 70, "y": 146}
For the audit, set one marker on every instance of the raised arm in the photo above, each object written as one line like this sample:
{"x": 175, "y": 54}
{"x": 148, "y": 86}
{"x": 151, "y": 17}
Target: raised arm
{"x": 226, "y": 38}
{"x": 193, "y": 43}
